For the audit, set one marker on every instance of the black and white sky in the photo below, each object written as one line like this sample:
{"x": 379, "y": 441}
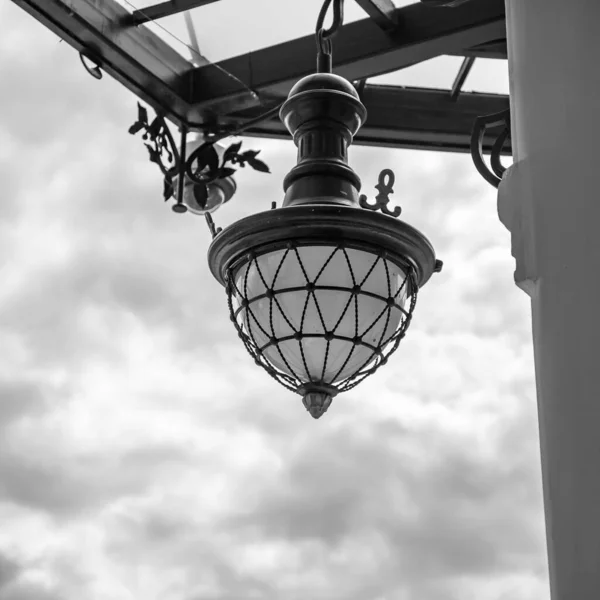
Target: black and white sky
{"x": 143, "y": 455}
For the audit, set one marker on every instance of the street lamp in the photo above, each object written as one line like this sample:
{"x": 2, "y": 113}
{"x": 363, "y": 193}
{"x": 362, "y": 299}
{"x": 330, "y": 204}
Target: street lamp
{"x": 322, "y": 290}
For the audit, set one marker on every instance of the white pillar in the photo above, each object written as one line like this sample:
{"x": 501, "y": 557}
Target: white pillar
{"x": 550, "y": 201}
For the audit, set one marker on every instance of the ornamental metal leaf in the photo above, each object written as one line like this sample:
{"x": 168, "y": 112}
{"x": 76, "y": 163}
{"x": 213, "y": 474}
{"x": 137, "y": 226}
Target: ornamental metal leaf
{"x": 167, "y": 188}
{"x": 258, "y": 165}
{"x": 202, "y": 165}
{"x": 233, "y": 149}
{"x": 206, "y": 160}
{"x": 233, "y": 155}
{"x": 142, "y": 114}
{"x": 249, "y": 157}
{"x": 137, "y": 126}
{"x": 200, "y": 192}
{"x": 158, "y": 140}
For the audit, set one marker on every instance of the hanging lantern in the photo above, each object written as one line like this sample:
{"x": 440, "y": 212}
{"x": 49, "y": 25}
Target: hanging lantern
{"x": 322, "y": 290}
{"x": 197, "y": 173}
{"x": 199, "y": 198}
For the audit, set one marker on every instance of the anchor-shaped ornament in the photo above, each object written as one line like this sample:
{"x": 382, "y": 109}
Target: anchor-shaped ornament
{"x": 385, "y": 188}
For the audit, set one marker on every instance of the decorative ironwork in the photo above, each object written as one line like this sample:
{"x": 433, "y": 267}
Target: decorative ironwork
{"x": 160, "y": 144}
{"x": 202, "y": 166}
{"x": 285, "y": 344}
{"x": 385, "y": 188}
{"x": 481, "y": 125}
{"x": 323, "y": 36}
{"x": 214, "y": 231}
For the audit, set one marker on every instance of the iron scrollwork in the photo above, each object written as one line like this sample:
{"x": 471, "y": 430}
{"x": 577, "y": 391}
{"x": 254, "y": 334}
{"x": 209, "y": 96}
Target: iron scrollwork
{"x": 202, "y": 166}
{"x": 385, "y": 188}
{"x": 160, "y": 144}
{"x": 481, "y": 125}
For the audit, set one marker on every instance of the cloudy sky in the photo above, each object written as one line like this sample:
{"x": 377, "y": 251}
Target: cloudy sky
{"x": 142, "y": 453}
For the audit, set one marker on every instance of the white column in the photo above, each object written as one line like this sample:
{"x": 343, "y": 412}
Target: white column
{"x": 550, "y": 201}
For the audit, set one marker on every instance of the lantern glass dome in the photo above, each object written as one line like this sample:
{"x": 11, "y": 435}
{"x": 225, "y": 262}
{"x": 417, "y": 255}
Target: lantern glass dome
{"x": 320, "y": 313}
{"x": 216, "y": 197}
{"x": 217, "y": 192}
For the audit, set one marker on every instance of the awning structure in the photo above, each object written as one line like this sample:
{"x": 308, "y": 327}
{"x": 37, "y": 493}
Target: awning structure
{"x": 118, "y": 36}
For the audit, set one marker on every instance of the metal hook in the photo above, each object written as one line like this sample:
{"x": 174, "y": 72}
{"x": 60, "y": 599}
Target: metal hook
{"x": 324, "y": 44}
{"x": 385, "y": 187}
{"x": 323, "y": 36}
{"x": 214, "y": 230}
{"x": 494, "y": 176}
{"x": 94, "y": 70}
{"x": 338, "y": 18}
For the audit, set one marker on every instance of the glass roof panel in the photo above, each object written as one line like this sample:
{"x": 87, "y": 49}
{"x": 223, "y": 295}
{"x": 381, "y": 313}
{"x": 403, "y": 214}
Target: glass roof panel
{"x": 228, "y": 28}
{"x": 438, "y": 73}
{"x": 488, "y": 75}
{"x": 179, "y": 40}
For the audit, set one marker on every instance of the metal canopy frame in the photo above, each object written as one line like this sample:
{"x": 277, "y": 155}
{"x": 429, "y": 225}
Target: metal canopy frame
{"x": 230, "y": 92}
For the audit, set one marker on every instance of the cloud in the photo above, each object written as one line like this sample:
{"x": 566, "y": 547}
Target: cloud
{"x": 28, "y": 591}
{"x": 9, "y": 570}
{"x": 66, "y": 488}
{"x": 19, "y": 397}
{"x": 16, "y": 583}
{"x": 443, "y": 511}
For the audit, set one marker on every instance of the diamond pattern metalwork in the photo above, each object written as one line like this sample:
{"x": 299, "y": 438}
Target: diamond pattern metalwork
{"x": 326, "y": 314}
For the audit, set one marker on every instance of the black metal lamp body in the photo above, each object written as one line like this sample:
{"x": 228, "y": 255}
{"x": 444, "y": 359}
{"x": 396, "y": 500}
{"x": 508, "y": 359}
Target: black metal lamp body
{"x": 322, "y": 290}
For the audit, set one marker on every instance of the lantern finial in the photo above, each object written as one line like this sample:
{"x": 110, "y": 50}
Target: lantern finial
{"x": 317, "y": 402}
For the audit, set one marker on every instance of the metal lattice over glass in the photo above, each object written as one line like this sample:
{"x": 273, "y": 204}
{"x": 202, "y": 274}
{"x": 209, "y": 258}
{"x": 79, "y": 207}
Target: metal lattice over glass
{"x": 320, "y": 318}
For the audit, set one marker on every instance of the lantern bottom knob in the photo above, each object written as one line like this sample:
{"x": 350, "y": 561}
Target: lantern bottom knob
{"x": 317, "y": 402}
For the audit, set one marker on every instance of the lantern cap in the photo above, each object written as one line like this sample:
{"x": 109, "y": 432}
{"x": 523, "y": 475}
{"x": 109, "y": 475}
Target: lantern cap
{"x": 319, "y": 223}
{"x": 323, "y": 81}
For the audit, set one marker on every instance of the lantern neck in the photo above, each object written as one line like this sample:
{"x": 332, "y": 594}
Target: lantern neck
{"x": 323, "y": 113}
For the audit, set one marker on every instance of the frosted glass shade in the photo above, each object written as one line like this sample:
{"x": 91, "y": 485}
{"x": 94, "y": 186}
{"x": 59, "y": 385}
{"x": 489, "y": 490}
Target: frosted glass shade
{"x": 320, "y": 313}
{"x": 216, "y": 197}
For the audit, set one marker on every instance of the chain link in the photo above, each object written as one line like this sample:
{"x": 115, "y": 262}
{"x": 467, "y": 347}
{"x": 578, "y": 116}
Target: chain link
{"x": 323, "y": 36}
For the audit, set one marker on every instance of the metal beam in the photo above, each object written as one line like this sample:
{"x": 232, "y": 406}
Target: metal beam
{"x": 461, "y": 77}
{"x": 444, "y": 3}
{"x": 383, "y": 12}
{"x": 415, "y": 118}
{"x": 361, "y": 50}
{"x": 163, "y": 9}
{"x": 135, "y": 57}
{"x": 495, "y": 50}
{"x": 156, "y": 73}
